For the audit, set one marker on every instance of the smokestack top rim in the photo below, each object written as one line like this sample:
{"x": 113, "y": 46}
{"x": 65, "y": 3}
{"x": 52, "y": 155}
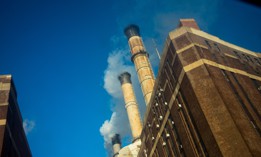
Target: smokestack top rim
{"x": 132, "y": 30}
{"x": 116, "y": 139}
{"x": 125, "y": 77}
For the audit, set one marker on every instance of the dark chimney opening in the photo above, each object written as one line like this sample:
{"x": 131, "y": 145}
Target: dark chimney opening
{"x": 125, "y": 77}
{"x": 116, "y": 139}
{"x": 132, "y": 30}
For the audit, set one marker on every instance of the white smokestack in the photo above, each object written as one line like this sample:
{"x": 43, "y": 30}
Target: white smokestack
{"x": 131, "y": 105}
{"x": 141, "y": 61}
{"x": 116, "y": 144}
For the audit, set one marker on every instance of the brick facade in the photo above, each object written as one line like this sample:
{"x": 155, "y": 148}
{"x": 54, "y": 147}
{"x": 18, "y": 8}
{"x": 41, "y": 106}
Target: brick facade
{"x": 206, "y": 99}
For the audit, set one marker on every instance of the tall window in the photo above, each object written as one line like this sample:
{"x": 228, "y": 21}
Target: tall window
{"x": 237, "y": 54}
{"x": 207, "y": 42}
{"x": 216, "y": 45}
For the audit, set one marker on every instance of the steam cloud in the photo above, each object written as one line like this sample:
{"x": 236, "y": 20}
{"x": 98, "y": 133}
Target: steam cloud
{"x": 164, "y": 17}
{"x": 28, "y": 126}
{"x": 118, "y": 123}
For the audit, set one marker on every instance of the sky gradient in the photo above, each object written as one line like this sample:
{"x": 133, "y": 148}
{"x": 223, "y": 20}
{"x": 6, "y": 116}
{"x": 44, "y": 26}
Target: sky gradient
{"x": 65, "y": 57}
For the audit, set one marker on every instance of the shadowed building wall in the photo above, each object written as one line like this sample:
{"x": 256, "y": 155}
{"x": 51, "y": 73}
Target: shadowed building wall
{"x": 141, "y": 61}
{"x": 13, "y": 142}
{"x": 206, "y": 99}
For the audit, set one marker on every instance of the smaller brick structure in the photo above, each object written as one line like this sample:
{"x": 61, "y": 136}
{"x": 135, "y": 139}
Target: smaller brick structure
{"x": 13, "y": 142}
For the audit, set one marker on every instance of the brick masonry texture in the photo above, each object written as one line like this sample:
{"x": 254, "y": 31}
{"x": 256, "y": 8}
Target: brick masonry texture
{"x": 206, "y": 99}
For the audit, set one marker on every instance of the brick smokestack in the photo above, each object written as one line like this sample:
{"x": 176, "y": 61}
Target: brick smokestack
{"x": 131, "y": 105}
{"x": 116, "y": 144}
{"x": 141, "y": 61}
{"x": 188, "y": 23}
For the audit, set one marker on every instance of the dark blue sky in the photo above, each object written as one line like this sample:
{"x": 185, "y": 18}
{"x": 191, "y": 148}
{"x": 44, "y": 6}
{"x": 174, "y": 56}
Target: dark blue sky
{"x": 61, "y": 54}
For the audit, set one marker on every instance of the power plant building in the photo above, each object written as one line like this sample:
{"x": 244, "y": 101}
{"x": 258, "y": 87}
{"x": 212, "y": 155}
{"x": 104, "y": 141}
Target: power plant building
{"x": 206, "y": 99}
{"x": 13, "y": 142}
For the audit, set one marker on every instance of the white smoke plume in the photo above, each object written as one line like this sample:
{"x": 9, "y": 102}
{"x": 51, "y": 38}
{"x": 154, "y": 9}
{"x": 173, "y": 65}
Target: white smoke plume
{"x": 116, "y": 65}
{"x": 28, "y": 126}
{"x": 118, "y": 62}
{"x": 155, "y": 19}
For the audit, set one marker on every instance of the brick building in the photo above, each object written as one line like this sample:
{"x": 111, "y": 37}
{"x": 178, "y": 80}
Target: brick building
{"x": 206, "y": 99}
{"x": 13, "y": 142}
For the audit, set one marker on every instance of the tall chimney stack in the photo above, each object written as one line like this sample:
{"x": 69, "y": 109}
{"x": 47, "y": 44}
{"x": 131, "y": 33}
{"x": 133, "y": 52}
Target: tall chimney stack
{"x": 131, "y": 105}
{"x": 116, "y": 144}
{"x": 141, "y": 61}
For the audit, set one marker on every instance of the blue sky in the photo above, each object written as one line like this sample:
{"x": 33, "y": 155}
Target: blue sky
{"x": 65, "y": 57}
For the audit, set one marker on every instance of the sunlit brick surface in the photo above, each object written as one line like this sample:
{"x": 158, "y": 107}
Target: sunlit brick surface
{"x": 207, "y": 99}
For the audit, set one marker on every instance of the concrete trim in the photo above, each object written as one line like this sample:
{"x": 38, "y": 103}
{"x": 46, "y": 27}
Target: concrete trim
{"x": 193, "y": 65}
{"x": 190, "y": 46}
{"x": 212, "y": 63}
{"x": 228, "y": 55}
{"x": 182, "y": 30}
{"x": 2, "y": 121}
{"x": 6, "y": 76}
{"x": 211, "y": 37}
{"x": 4, "y": 104}
{"x": 5, "y": 86}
